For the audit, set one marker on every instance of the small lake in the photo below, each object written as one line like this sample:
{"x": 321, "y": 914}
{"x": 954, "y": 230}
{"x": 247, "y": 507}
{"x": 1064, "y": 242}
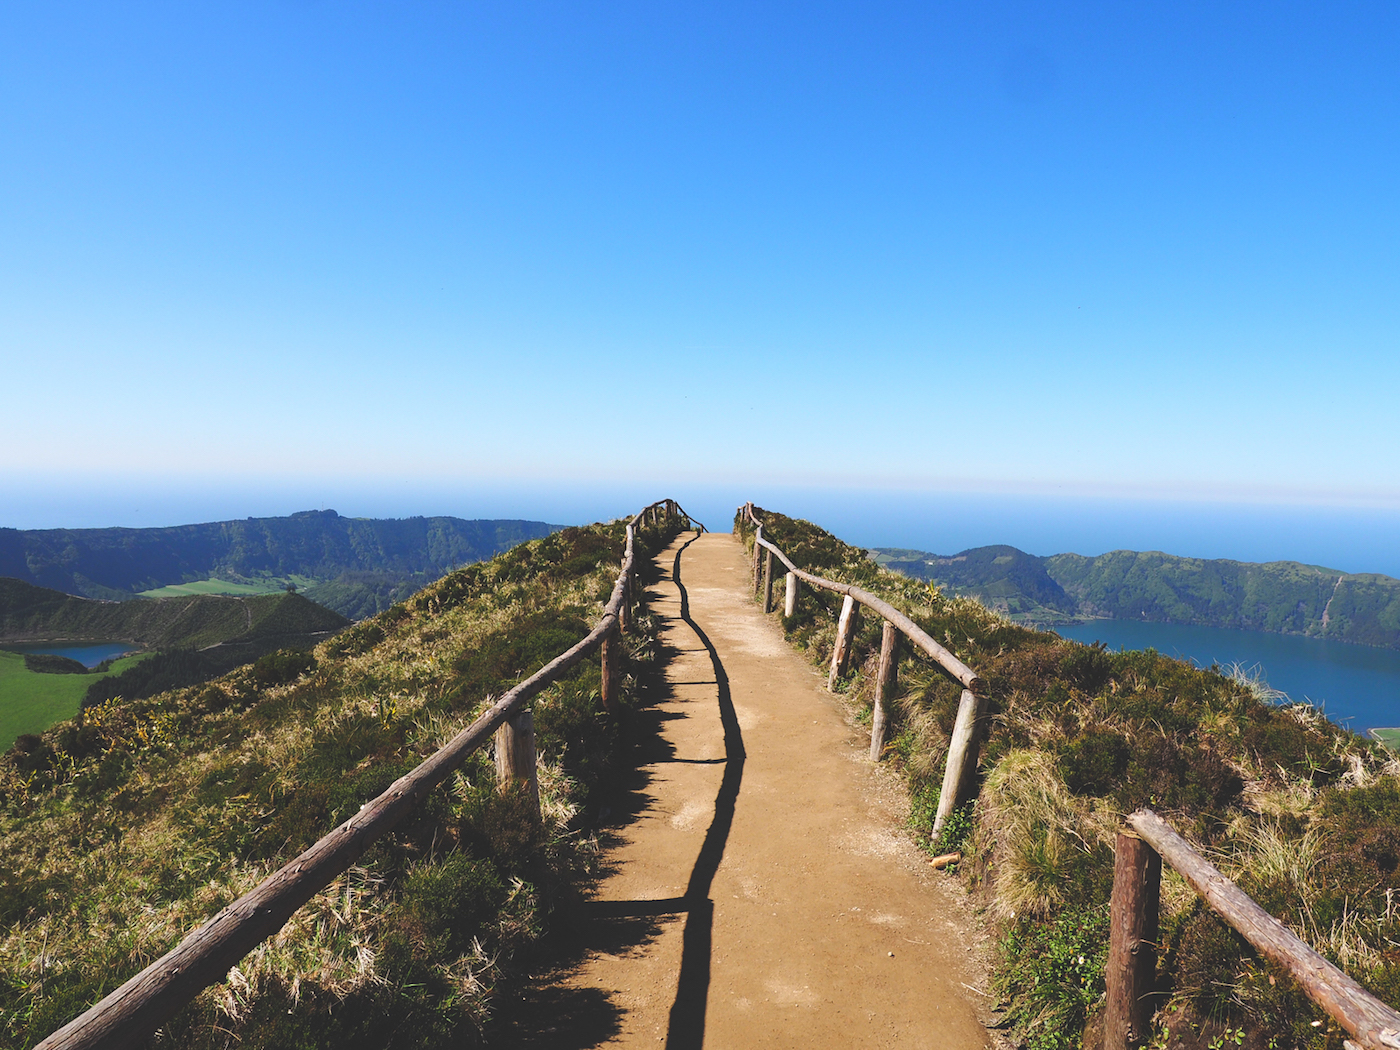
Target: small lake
{"x": 89, "y": 655}
{"x": 1357, "y": 685}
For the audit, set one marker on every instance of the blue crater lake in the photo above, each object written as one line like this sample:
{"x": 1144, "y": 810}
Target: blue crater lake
{"x": 89, "y": 655}
{"x": 1357, "y": 685}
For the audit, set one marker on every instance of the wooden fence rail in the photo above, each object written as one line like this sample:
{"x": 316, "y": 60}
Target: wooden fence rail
{"x": 135, "y": 1010}
{"x": 1131, "y": 969}
{"x": 961, "y": 767}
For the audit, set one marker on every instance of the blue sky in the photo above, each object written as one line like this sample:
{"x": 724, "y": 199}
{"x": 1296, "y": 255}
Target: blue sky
{"x": 293, "y": 252}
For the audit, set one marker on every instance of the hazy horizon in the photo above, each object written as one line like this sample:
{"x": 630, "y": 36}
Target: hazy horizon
{"x": 1349, "y": 539}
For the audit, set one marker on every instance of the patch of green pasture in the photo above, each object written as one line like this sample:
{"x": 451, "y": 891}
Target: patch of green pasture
{"x": 271, "y": 585}
{"x": 1389, "y": 737}
{"x": 31, "y": 702}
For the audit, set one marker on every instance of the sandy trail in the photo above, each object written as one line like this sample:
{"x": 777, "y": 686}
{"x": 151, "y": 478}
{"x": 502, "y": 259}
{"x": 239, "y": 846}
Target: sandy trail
{"x": 760, "y": 892}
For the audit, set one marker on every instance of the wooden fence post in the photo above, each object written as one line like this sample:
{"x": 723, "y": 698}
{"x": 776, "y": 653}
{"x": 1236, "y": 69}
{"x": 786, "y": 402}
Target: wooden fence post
{"x": 1132, "y": 943}
{"x": 515, "y": 755}
{"x": 767, "y": 581}
{"x": 609, "y": 654}
{"x": 845, "y": 633}
{"x": 624, "y": 611}
{"x": 962, "y": 759}
{"x": 790, "y": 585}
{"x": 884, "y": 688}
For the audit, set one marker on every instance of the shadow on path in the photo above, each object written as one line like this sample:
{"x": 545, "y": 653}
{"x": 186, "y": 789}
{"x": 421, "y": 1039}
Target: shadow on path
{"x": 552, "y": 1017}
{"x": 687, "y": 1026}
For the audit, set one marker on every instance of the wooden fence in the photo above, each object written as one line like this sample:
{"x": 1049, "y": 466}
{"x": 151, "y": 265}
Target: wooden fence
{"x": 960, "y": 771}
{"x": 1132, "y": 948}
{"x": 135, "y": 1010}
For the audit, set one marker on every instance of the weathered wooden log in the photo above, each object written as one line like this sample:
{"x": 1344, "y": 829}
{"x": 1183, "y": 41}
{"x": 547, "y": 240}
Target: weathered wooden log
{"x": 846, "y": 628}
{"x": 790, "y": 586}
{"x": 515, "y": 756}
{"x": 767, "y": 582}
{"x": 1131, "y": 970}
{"x": 961, "y": 769}
{"x": 884, "y": 688}
{"x": 1372, "y": 1024}
{"x": 137, "y": 1008}
{"x": 609, "y": 653}
{"x": 907, "y": 627}
{"x": 944, "y": 859}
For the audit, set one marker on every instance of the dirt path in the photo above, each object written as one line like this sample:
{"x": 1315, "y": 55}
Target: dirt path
{"x": 760, "y": 891}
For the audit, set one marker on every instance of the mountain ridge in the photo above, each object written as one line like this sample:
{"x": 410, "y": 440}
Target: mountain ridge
{"x": 1283, "y": 597}
{"x": 33, "y": 614}
{"x": 360, "y": 566}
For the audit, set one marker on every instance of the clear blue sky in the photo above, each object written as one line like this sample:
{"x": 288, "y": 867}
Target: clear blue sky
{"x": 312, "y": 248}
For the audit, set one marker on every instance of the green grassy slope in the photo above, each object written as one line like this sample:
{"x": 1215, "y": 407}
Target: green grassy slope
{"x": 1287, "y": 597}
{"x": 30, "y": 702}
{"x": 268, "y": 585}
{"x": 1302, "y": 814}
{"x": 122, "y": 830}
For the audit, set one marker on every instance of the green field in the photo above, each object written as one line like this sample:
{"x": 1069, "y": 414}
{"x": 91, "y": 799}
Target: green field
{"x": 215, "y": 586}
{"x": 1389, "y": 737}
{"x": 30, "y": 703}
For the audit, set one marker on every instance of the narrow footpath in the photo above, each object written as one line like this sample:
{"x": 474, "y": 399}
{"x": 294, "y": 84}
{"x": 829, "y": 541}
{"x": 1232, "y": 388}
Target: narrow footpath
{"x": 760, "y": 891}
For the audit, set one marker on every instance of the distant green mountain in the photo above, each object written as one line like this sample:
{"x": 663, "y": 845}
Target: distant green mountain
{"x": 355, "y": 565}
{"x": 1283, "y": 596}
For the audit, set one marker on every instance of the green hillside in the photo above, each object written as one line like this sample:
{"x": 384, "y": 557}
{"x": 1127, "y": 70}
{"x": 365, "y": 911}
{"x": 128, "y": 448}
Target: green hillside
{"x": 1284, "y": 596}
{"x": 31, "y": 614}
{"x": 367, "y": 559}
{"x": 124, "y": 828}
{"x": 32, "y": 701}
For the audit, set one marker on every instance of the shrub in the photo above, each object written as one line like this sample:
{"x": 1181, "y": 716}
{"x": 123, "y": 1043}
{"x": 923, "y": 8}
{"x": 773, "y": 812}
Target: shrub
{"x": 282, "y": 667}
{"x": 52, "y": 663}
{"x": 1053, "y": 974}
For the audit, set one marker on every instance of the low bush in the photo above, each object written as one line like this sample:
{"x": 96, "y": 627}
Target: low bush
{"x": 52, "y": 663}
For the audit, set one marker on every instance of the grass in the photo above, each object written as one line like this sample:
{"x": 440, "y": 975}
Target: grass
{"x": 1389, "y": 737}
{"x": 270, "y": 585}
{"x": 1304, "y": 815}
{"x": 30, "y": 702}
{"x": 123, "y": 829}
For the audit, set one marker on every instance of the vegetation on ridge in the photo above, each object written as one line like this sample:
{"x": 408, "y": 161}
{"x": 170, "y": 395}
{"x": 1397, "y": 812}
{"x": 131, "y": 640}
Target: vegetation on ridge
{"x": 1302, "y": 814}
{"x": 124, "y": 828}
{"x": 31, "y": 614}
{"x": 1281, "y": 596}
